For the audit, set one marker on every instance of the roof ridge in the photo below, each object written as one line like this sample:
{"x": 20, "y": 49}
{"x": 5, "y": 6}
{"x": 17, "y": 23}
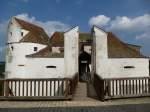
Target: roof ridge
{"x": 110, "y": 35}
{"x": 27, "y": 22}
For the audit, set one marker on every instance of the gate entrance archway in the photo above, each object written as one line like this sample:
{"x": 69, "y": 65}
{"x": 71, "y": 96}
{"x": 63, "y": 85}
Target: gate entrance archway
{"x": 84, "y": 66}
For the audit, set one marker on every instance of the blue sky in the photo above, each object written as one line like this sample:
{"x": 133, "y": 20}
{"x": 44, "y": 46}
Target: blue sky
{"x": 128, "y": 19}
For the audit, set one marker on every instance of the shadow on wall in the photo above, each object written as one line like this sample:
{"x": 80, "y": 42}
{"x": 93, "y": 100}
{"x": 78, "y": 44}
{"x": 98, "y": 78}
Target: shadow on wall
{"x": 2, "y": 69}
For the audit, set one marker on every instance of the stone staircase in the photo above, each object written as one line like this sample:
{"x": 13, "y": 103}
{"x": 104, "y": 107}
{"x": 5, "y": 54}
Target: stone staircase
{"x": 85, "y": 92}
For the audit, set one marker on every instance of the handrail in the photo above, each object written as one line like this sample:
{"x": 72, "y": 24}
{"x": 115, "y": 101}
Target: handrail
{"x": 109, "y": 88}
{"x": 125, "y": 78}
{"x": 51, "y": 88}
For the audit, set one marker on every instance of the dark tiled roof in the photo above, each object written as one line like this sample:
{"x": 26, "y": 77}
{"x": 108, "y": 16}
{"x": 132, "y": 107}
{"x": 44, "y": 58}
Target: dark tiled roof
{"x": 118, "y": 49}
{"x": 36, "y": 34}
{"x": 57, "y": 39}
{"x": 46, "y": 53}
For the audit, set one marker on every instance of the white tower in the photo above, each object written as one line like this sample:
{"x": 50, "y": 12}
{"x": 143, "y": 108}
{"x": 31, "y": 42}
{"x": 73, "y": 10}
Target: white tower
{"x": 22, "y": 39}
{"x": 71, "y": 46}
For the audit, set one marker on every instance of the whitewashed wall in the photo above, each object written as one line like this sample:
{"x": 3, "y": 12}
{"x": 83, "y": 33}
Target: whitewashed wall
{"x": 114, "y": 67}
{"x": 56, "y": 49}
{"x": 16, "y": 58}
{"x": 71, "y": 51}
{"x": 14, "y": 31}
{"x": 37, "y": 68}
{"x": 87, "y": 49}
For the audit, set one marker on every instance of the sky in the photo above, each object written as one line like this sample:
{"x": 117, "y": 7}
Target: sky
{"x": 128, "y": 19}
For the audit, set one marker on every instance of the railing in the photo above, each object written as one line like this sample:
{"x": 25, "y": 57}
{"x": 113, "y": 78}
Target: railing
{"x": 122, "y": 87}
{"x": 99, "y": 87}
{"x": 38, "y": 89}
{"x": 73, "y": 84}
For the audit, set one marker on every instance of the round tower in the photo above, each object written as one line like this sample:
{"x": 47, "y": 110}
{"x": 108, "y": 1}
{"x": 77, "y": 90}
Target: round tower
{"x": 21, "y": 41}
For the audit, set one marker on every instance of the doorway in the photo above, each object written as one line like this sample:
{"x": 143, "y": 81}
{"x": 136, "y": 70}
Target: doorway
{"x": 84, "y": 66}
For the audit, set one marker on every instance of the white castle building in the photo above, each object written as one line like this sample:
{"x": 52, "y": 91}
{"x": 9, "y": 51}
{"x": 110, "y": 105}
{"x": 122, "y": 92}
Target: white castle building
{"x": 32, "y": 54}
{"x": 29, "y": 53}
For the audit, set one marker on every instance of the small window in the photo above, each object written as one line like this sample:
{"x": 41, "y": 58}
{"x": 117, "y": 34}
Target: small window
{"x": 10, "y": 33}
{"x": 51, "y": 66}
{"x": 21, "y": 33}
{"x": 20, "y": 65}
{"x": 129, "y": 67}
{"x": 35, "y": 48}
{"x": 12, "y": 48}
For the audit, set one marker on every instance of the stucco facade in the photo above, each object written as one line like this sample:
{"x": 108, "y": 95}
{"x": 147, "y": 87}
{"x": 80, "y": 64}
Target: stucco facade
{"x": 71, "y": 51}
{"x": 20, "y": 65}
{"x": 116, "y": 67}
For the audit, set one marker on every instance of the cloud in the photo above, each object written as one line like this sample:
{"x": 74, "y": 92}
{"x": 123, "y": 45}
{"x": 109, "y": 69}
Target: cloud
{"x": 26, "y": 17}
{"x": 132, "y": 29}
{"x": 100, "y": 20}
{"x": 49, "y": 26}
{"x": 145, "y": 35}
{"x": 124, "y": 24}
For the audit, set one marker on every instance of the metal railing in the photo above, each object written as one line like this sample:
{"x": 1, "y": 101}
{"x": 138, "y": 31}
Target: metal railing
{"x": 39, "y": 89}
{"x": 121, "y": 87}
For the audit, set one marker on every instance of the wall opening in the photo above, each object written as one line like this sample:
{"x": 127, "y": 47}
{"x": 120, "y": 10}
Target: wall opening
{"x": 35, "y": 48}
{"x": 50, "y": 66}
{"x": 84, "y": 66}
{"x": 21, "y": 33}
{"x": 10, "y": 33}
{"x": 12, "y": 48}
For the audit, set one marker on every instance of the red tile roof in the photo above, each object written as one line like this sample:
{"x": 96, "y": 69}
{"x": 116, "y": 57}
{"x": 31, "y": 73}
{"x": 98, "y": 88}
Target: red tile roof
{"x": 46, "y": 53}
{"x": 36, "y": 34}
{"x": 119, "y": 49}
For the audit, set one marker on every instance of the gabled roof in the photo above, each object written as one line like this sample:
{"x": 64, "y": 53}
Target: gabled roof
{"x": 57, "y": 39}
{"x": 36, "y": 34}
{"x": 46, "y": 53}
{"x": 116, "y": 48}
{"x": 119, "y": 49}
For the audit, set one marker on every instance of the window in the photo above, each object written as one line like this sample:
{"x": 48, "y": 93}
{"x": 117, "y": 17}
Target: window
{"x": 35, "y": 48}
{"x": 12, "y": 48}
{"x": 51, "y": 66}
{"x": 10, "y": 33}
{"x": 21, "y": 33}
{"x": 129, "y": 67}
{"x": 20, "y": 65}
